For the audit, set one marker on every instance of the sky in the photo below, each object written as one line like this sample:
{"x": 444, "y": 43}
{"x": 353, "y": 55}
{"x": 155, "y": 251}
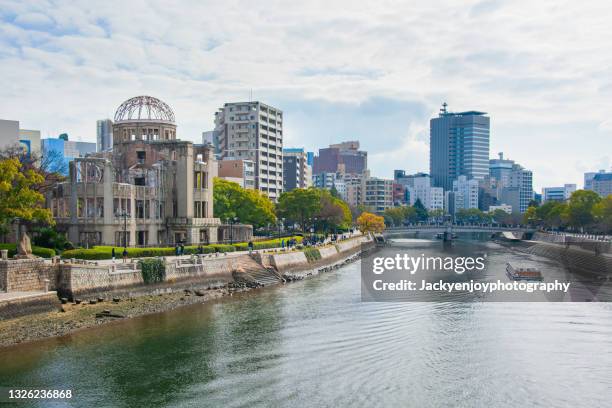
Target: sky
{"x": 340, "y": 70}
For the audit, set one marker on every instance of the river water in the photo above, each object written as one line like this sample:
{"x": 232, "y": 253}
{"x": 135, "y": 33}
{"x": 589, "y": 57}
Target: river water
{"x": 315, "y": 343}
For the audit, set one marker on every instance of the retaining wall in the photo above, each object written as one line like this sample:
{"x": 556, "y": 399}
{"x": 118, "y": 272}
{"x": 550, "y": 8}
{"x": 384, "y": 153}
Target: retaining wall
{"x": 26, "y": 275}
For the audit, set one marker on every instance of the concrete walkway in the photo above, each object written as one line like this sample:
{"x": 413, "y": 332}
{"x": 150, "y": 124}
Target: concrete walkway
{"x": 7, "y": 297}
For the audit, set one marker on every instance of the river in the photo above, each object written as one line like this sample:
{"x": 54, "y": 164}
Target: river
{"x": 315, "y": 343}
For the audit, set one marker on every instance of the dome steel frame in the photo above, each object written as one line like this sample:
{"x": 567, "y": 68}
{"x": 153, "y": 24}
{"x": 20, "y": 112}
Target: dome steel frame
{"x": 144, "y": 108}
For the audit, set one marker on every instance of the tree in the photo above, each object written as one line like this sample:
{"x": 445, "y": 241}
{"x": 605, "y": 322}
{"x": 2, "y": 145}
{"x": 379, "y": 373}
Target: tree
{"x": 436, "y": 214}
{"x": 333, "y": 213}
{"x": 530, "y": 217}
{"x": 579, "y": 210}
{"x": 51, "y": 166}
{"x": 410, "y": 214}
{"x": 421, "y": 211}
{"x": 471, "y": 215}
{"x": 19, "y": 197}
{"x": 369, "y": 222}
{"x": 602, "y": 212}
{"x": 395, "y": 214}
{"x": 249, "y": 206}
{"x": 299, "y": 205}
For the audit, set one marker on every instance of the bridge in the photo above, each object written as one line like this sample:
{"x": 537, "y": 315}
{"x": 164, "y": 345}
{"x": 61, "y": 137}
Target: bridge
{"x": 456, "y": 228}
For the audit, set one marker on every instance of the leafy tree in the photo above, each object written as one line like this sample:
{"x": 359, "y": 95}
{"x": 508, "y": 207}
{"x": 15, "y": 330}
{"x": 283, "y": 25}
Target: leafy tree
{"x": 250, "y": 206}
{"x": 49, "y": 238}
{"x": 410, "y": 214}
{"x": 369, "y": 222}
{"x": 437, "y": 214}
{"x": 533, "y": 203}
{"x": 395, "y": 215}
{"x": 530, "y": 217}
{"x": 299, "y": 205}
{"x": 333, "y": 212}
{"x": 471, "y": 215}
{"x": 421, "y": 211}
{"x": 19, "y": 197}
{"x": 51, "y": 166}
{"x": 602, "y": 211}
{"x": 579, "y": 210}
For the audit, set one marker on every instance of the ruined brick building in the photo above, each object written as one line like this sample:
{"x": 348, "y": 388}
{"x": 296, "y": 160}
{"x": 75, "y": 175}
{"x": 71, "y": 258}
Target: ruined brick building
{"x": 151, "y": 189}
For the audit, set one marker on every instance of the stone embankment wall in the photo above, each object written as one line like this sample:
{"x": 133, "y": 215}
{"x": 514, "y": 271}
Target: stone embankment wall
{"x": 77, "y": 279}
{"x": 71, "y": 279}
{"x": 574, "y": 241}
{"x": 574, "y": 259}
{"x": 26, "y": 275}
{"x": 291, "y": 260}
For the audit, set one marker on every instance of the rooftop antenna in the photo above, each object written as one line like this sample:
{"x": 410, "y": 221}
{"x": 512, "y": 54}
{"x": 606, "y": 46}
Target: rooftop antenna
{"x": 443, "y": 110}
{"x": 251, "y": 96}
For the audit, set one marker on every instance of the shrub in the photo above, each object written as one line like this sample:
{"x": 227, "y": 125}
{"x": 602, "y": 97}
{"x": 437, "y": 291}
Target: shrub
{"x": 271, "y": 243}
{"x": 312, "y": 254}
{"x": 36, "y": 250}
{"x": 153, "y": 270}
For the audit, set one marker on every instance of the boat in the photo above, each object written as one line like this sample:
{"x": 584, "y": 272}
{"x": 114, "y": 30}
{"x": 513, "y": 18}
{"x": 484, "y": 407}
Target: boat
{"x": 440, "y": 235}
{"x": 523, "y": 273}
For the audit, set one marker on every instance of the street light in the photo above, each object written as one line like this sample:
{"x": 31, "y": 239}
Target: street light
{"x": 124, "y": 214}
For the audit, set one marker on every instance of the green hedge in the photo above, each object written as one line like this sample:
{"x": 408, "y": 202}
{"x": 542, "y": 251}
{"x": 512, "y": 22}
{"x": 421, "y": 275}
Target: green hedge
{"x": 312, "y": 254}
{"x": 36, "y": 250}
{"x": 271, "y": 243}
{"x": 105, "y": 252}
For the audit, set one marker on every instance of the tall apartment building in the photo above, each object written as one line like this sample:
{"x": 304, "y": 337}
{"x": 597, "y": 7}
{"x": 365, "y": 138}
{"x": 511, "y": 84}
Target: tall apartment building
{"x": 515, "y": 183}
{"x": 297, "y": 173}
{"x": 377, "y": 194}
{"x": 104, "y": 135}
{"x": 254, "y": 131}
{"x": 464, "y": 195}
{"x": 558, "y": 193}
{"x": 342, "y": 157}
{"x": 418, "y": 186}
{"x": 459, "y": 146}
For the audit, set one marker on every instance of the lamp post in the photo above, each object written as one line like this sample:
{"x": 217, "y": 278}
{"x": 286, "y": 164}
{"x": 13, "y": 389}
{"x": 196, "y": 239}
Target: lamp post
{"x": 124, "y": 214}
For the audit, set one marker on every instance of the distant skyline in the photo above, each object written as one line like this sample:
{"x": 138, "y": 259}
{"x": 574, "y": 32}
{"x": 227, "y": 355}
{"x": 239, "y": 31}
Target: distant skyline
{"x": 374, "y": 72}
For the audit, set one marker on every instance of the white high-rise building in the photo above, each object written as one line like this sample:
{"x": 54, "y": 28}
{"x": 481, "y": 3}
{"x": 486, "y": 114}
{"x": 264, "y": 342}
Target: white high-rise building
{"x": 254, "y": 131}
{"x": 420, "y": 188}
{"x": 463, "y": 196}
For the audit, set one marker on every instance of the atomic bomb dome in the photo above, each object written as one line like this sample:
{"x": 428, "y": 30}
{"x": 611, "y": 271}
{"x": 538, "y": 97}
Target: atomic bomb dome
{"x": 144, "y": 108}
{"x": 143, "y": 118}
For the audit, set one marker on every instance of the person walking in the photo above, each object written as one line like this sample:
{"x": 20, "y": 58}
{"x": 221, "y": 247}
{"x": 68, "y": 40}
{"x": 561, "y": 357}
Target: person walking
{"x": 125, "y": 254}
{"x": 113, "y": 254}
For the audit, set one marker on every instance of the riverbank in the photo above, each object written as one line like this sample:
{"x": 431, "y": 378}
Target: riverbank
{"x": 71, "y": 316}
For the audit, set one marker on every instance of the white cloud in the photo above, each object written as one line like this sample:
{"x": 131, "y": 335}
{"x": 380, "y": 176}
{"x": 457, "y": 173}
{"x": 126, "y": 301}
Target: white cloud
{"x": 541, "y": 69}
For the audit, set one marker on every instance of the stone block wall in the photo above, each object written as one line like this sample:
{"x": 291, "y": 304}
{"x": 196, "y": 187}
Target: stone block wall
{"x": 25, "y": 275}
{"x": 328, "y": 252}
{"x": 75, "y": 278}
{"x": 219, "y": 269}
{"x": 288, "y": 260}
